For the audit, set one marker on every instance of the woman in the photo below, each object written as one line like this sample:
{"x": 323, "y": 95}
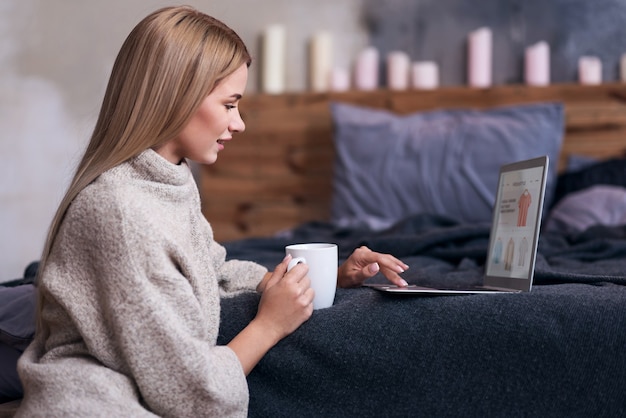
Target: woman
{"x": 131, "y": 278}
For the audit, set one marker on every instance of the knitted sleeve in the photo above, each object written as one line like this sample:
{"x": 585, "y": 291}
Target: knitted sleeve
{"x": 235, "y": 276}
{"x": 131, "y": 290}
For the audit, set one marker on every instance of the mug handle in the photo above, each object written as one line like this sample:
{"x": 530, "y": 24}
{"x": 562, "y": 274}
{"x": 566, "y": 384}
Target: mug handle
{"x": 295, "y": 261}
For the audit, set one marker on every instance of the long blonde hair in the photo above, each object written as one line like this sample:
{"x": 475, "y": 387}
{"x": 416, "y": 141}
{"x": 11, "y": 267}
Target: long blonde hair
{"x": 167, "y": 65}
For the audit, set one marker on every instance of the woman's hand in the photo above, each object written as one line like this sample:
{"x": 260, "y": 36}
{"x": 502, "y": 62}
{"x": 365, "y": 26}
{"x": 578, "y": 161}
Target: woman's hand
{"x": 287, "y": 299}
{"x": 364, "y": 263}
{"x": 286, "y": 302}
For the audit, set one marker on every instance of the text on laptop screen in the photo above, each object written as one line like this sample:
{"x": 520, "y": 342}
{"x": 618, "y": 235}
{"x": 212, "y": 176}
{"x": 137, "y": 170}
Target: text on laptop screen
{"x": 515, "y": 218}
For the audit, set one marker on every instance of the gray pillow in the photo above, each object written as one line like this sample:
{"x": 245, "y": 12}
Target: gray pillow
{"x": 445, "y": 162}
{"x": 17, "y": 315}
{"x": 596, "y": 205}
{"x": 17, "y": 328}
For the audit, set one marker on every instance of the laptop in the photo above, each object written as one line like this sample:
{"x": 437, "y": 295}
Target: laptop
{"x": 514, "y": 234}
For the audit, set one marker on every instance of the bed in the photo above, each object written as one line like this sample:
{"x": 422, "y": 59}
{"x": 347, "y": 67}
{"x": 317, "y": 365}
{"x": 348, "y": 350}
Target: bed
{"x": 297, "y": 175}
{"x": 412, "y": 174}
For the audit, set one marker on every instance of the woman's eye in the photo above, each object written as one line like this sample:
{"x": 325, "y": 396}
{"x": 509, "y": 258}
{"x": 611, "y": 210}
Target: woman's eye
{"x": 230, "y": 106}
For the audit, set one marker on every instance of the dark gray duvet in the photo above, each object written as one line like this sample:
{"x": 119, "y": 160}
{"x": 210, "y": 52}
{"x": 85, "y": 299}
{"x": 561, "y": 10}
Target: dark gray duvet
{"x": 559, "y": 350}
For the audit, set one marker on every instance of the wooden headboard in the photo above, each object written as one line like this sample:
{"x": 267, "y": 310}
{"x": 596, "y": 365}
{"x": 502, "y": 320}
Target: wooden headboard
{"x": 278, "y": 173}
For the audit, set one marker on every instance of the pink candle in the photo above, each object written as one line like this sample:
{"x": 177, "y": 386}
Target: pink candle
{"x": 590, "y": 70}
{"x": 425, "y": 75}
{"x": 480, "y": 58}
{"x": 366, "y": 69}
{"x": 537, "y": 64}
{"x": 398, "y": 64}
{"x": 339, "y": 79}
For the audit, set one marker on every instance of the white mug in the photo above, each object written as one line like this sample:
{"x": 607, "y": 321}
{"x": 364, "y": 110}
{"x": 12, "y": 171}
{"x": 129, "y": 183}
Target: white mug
{"x": 322, "y": 261}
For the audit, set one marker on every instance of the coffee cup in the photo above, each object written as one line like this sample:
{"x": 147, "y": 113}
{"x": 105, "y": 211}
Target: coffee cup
{"x": 321, "y": 258}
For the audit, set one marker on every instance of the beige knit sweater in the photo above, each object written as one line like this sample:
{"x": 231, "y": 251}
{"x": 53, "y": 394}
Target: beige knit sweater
{"x": 132, "y": 304}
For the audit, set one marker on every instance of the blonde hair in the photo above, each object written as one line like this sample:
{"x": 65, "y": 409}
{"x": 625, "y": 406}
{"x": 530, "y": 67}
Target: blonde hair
{"x": 167, "y": 65}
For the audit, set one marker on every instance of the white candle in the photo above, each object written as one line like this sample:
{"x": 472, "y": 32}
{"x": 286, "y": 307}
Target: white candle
{"x": 623, "y": 68}
{"x": 321, "y": 61}
{"x": 480, "y": 58}
{"x": 366, "y": 69}
{"x": 398, "y": 64}
{"x": 537, "y": 64}
{"x": 273, "y": 61}
{"x": 425, "y": 75}
{"x": 589, "y": 70}
{"x": 340, "y": 79}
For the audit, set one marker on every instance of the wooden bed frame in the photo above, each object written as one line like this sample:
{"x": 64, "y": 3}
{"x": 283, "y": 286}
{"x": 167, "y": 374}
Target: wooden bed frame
{"x": 278, "y": 173}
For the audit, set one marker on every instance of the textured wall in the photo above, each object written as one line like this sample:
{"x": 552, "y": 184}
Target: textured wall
{"x": 437, "y": 30}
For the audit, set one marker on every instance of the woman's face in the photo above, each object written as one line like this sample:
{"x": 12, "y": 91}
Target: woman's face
{"x": 213, "y": 124}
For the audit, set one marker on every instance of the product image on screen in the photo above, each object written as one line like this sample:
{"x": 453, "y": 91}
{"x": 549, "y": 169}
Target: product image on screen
{"x": 516, "y": 215}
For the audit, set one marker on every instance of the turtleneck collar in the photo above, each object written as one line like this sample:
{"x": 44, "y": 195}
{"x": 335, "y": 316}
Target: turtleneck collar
{"x": 152, "y": 166}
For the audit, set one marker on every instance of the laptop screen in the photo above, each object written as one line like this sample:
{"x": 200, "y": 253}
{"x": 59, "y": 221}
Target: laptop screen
{"x": 516, "y": 222}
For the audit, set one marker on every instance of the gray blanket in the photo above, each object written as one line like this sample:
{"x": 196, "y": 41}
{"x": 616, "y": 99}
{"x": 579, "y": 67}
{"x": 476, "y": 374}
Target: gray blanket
{"x": 559, "y": 350}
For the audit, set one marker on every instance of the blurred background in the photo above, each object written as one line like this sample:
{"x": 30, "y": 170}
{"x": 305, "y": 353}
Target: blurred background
{"x": 55, "y": 57}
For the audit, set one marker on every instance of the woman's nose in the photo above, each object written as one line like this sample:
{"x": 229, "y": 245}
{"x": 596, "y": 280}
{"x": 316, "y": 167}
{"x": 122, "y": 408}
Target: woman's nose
{"x": 237, "y": 124}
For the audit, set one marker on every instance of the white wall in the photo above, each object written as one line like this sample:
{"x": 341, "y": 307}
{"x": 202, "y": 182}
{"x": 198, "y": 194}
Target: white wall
{"x": 55, "y": 57}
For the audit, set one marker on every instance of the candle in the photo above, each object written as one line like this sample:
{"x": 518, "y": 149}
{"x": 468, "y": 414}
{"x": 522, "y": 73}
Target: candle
{"x": 321, "y": 57}
{"x": 366, "y": 69}
{"x": 339, "y": 79}
{"x": 589, "y": 70}
{"x": 537, "y": 64}
{"x": 425, "y": 75}
{"x": 398, "y": 64}
{"x": 480, "y": 58}
{"x": 273, "y": 61}
{"x": 623, "y": 68}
